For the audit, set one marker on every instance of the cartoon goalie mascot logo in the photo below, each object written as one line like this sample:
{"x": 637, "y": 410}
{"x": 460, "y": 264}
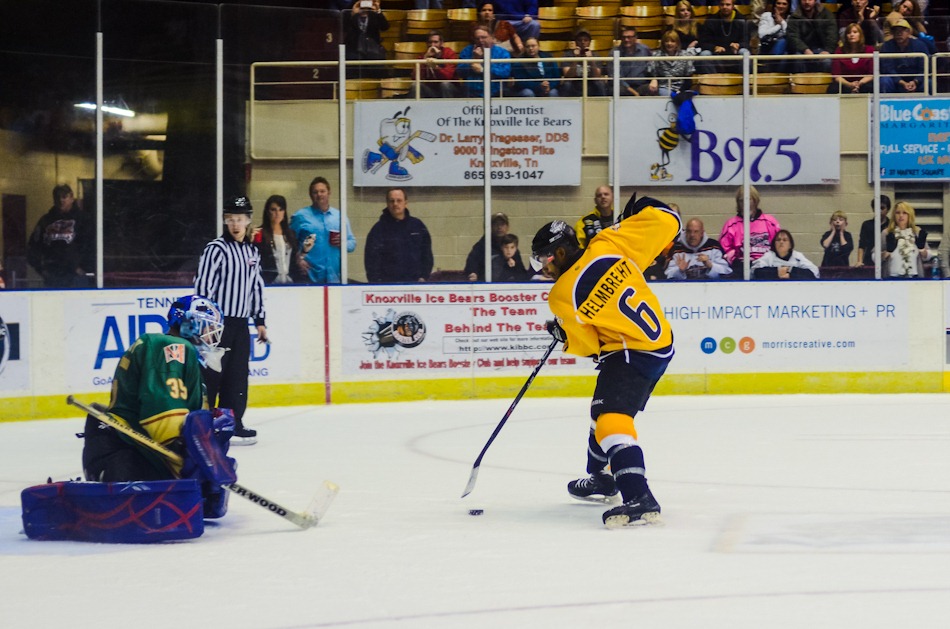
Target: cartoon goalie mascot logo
{"x": 395, "y": 147}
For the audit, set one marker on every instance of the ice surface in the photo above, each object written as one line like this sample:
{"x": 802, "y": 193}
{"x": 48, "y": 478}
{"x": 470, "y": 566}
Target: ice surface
{"x": 779, "y": 511}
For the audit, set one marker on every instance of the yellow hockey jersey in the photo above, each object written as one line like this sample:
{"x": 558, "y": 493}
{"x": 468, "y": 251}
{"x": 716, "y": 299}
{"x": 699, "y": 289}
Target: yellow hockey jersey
{"x": 603, "y": 302}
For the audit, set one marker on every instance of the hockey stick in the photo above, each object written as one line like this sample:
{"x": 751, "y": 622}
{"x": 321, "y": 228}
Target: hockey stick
{"x": 478, "y": 461}
{"x": 425, "y": 135}
{"x": 305, "y": 520}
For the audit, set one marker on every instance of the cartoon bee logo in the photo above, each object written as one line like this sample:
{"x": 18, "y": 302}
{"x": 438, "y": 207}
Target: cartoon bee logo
{"x": 682, "y": 124}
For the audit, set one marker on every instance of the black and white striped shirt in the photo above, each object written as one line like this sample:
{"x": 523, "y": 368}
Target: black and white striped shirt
{"x": 229, "y": 272}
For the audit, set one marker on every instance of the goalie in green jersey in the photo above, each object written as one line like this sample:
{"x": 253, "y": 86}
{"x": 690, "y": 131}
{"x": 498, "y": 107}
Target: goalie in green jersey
{"x": 156, "y": 384}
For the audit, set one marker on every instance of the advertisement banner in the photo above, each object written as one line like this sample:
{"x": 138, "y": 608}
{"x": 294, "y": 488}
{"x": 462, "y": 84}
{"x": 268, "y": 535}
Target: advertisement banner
{"x": 14, "y": 342}
{"x": 793, "y": 141}
{"x": 915, "y": 139}
{"x": 440, "y": 143}
{"x": 447, "y": 330}
{"x": 719, "y": 328}
{"x": 754, "y": 327}
{"x": 102, "y": 326}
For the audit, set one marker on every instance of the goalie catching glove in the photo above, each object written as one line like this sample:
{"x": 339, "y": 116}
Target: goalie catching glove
{"x": 555, "y": 330}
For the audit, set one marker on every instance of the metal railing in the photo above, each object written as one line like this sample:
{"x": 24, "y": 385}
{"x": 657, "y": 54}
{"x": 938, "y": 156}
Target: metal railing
{"x": 407, "y": 72}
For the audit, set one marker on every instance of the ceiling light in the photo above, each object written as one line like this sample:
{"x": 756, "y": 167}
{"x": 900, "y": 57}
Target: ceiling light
{"x": 108, "y": 109}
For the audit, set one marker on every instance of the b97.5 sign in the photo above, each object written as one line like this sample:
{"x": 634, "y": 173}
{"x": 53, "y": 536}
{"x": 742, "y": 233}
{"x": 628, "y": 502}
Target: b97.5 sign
{"x": 791, "y": 141}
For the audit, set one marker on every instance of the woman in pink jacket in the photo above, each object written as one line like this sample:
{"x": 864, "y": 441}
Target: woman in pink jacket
{"x": 762, "y": 229}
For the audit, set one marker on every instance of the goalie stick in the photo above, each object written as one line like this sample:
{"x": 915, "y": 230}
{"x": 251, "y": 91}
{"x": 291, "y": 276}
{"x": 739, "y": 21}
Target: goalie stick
{"x": 305, "y": 519}
{"x": 478, "y": 461}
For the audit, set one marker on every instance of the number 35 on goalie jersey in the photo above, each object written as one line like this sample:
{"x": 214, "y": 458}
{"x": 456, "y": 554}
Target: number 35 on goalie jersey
{"x": 604, "y": 302}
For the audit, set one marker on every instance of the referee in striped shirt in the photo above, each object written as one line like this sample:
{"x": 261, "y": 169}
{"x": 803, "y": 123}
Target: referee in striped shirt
{"x": 229, "y": 272}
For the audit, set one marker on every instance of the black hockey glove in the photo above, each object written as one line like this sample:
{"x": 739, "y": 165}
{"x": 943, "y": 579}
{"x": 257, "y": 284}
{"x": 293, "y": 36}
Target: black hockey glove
{"x": 635, "y": 205}
{"x": 555, "y": 330}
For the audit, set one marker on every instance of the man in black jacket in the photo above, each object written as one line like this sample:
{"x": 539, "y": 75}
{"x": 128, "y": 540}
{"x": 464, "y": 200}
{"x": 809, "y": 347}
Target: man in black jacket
{"x": 398, "y": 247}
{"x": 362, "y": 28}
{"x": 725, "y": 33}
{"x": 812, "y": 31}
{"x": 62, "y": 245}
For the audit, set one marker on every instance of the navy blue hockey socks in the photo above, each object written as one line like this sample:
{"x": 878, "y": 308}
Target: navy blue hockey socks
{"x": 626, "y": 462}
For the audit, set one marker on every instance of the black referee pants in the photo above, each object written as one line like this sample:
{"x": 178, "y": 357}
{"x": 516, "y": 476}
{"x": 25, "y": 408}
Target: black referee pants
{"x": 228, "y": 388}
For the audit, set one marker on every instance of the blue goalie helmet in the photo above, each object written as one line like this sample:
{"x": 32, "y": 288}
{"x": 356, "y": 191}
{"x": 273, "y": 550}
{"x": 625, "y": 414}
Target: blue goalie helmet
{"x": 198, "y": 320}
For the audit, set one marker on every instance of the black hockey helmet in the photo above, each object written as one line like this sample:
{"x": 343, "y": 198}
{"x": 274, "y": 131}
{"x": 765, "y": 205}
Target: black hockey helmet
{"x": 553, "y": 235}
{"x": 238, "y": 205}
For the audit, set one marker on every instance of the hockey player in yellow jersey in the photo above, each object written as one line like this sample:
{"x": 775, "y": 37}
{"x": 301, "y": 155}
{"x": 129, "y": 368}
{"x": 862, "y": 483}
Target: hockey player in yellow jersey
{"x": 604, "y": 309}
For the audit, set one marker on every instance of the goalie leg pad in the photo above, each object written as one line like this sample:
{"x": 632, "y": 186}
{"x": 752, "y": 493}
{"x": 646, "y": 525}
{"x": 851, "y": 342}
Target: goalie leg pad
{"x": 113, "y": 513}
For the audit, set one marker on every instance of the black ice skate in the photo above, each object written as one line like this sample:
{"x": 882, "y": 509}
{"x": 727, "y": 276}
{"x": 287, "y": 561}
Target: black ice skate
{"x": 598, "y": 487}
{"x": 643, "y": 509}
{"x": 243, "y": 436}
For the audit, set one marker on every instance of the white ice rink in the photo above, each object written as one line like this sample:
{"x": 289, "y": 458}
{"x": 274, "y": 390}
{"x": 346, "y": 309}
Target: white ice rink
{"x": 779, "y": 511}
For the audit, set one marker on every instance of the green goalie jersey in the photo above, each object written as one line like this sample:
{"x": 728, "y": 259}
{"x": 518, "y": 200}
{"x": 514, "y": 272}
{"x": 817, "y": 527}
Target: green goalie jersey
{"x": 156, "y": 385}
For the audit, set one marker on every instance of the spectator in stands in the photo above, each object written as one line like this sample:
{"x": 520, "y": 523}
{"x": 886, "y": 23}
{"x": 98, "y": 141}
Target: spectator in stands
{"x": 812, "y": 31}
{"x": 62, "y": 246}
{"x": 944, "y": 252}
{"x": 438, "y": 80}
{"x": 633, "y": 74}
{"x": 865, "y": 14}
{"x": 904, "y": 75}
{"x": 910, "y": 11}
{"x": 572, "y": 73}
{"x": 686, "y": 25}
{"x": 696, "y": 256}
{"x": 762, "y": 229}
{"x": 362, "y": 28}
{"x": 281, "y": 260}
{"x": 837, "y": 241}
{"x": 507, "y": 266}
{"x": 670, "y": 67}
{"x": 471, "y": 73}
{"x": 905, "y": 245}
{"x": 502, "y": 31}
{"x": 866, "y": 238}
{"x": 475, "y": 263}
{"x": 782, "y": 262}
{"x": 535, "y": 79}
{"x": 601, "y": 217}
{"x": 657, "y": 269}
{"x": 773, "y": 27}
{"x": 521, "y": 15}
{"x": 398, "y": 247}
{"x": 317, "y": 229}
{"x": 853, "y": 75}
{"x": 724, "y": 33}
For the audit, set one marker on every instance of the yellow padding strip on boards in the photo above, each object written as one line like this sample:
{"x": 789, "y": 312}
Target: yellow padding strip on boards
{"x": 614, "y": 424}
{"x": 29, "y": 407}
